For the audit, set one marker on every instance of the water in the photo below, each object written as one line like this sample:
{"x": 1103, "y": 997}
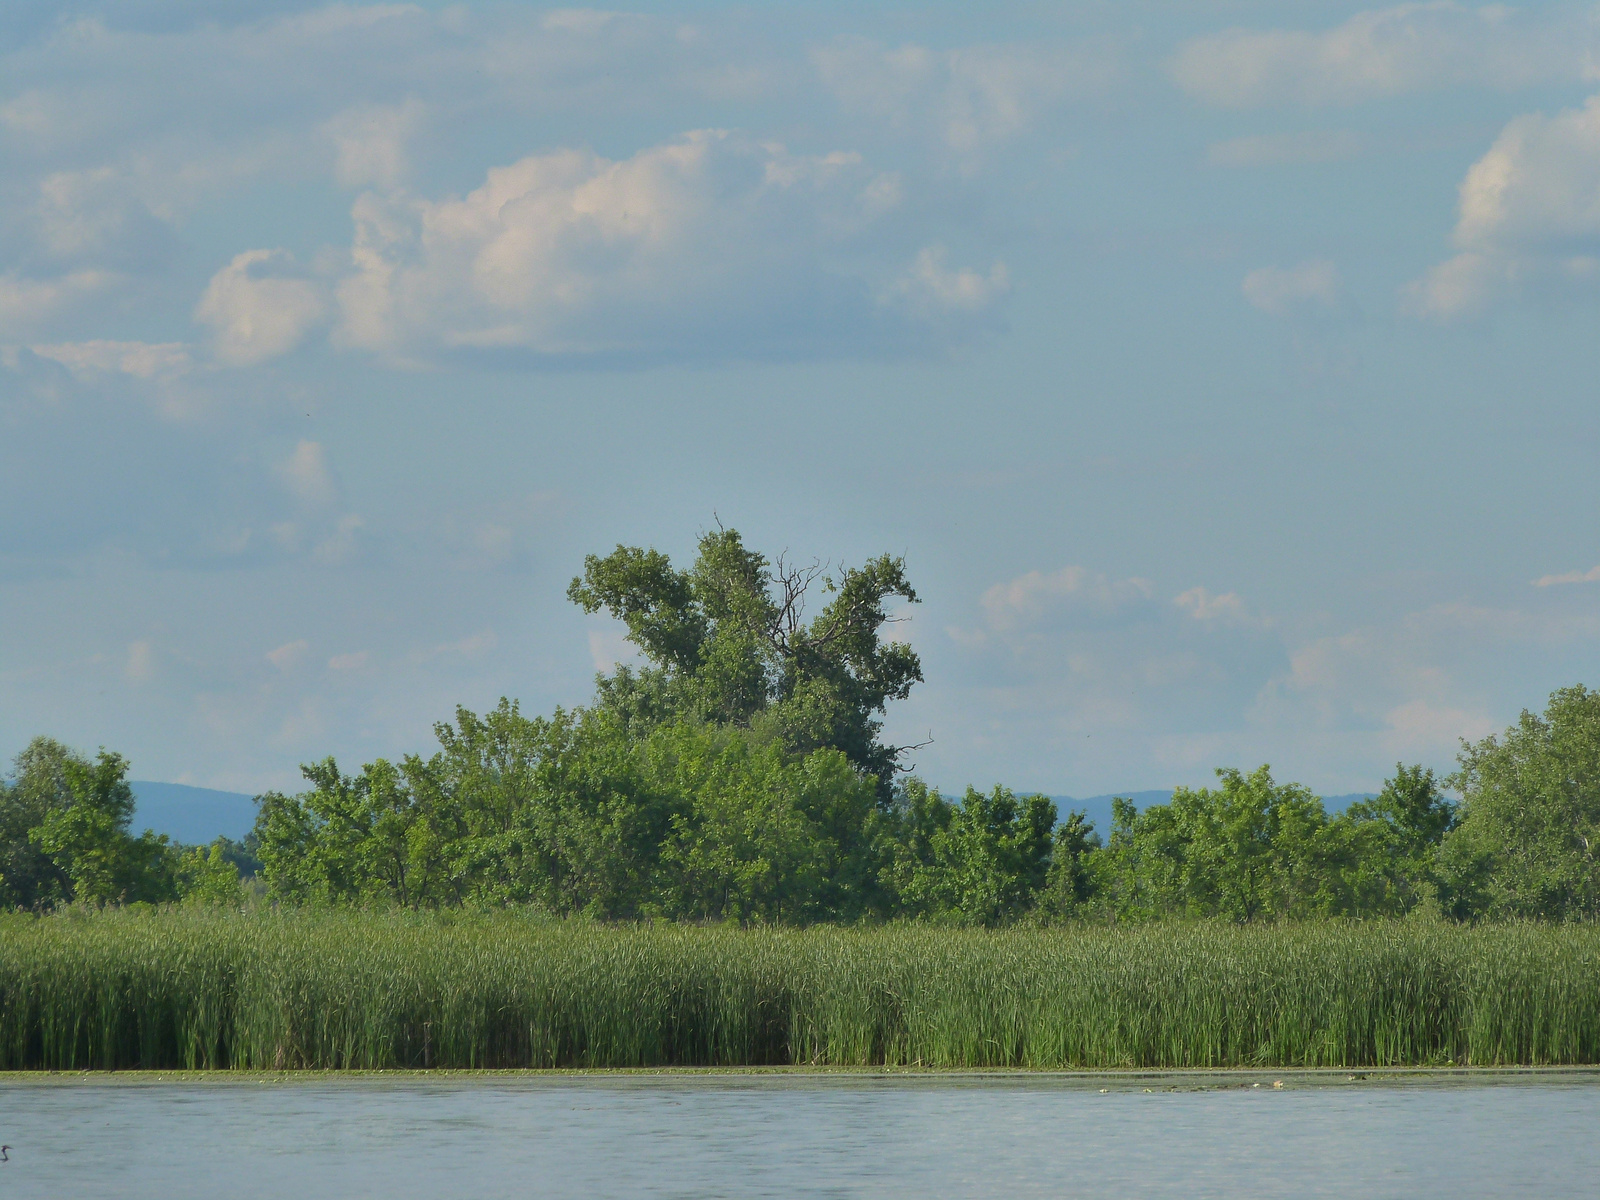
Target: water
{"x": 801, "y": 1136}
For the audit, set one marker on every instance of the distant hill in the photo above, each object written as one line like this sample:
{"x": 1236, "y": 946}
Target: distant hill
{"x": 192, "y": 815}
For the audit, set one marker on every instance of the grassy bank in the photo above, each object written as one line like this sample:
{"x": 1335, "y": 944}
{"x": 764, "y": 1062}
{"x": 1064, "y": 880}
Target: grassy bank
{"x": 267, "y": 991}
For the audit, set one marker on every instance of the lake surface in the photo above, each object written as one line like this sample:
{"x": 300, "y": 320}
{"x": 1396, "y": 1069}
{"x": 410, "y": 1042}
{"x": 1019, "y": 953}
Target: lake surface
{"x": 802, "y": 1136}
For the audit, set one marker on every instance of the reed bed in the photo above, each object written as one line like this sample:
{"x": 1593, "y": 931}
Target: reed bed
{"x": 189, "y": 988}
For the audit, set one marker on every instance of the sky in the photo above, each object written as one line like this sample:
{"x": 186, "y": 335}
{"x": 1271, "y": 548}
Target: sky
{"x": 1225, "y": 372}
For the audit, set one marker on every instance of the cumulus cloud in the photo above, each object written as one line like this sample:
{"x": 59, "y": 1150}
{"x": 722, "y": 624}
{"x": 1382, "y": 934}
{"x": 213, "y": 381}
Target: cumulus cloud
{"x": 468, "y": 649}
{"x": 1064, "y": 656}
{"x": 1419, "y": 725}
{"x": 969, "y": 99}
{"x": 27, "y": 303}
{"x": 1203, "y": 606}
{"x": 142, "y": 360}
{"x": 257, "y": 309}
{"x": 307, "y": 475}
{"x": 1388, "y": 52}
{"x": 1592, "y": 575}
{"x": 370, "y": 142}
{"x": 1113, "y": 672}
{"x": 700, "y": 244}
{"x": 1529, "y": 215}
{"x": 1416, "y": 684}
{"x": 1029, "y": 599}
{"x": 1278, "y": 289}
{"x": 100, "y": 216}
{"x": 341, "y": 544}
{"x": 287, "y": 656}
{"x": 748, "y": 249}
{"x": 932, "y": 288}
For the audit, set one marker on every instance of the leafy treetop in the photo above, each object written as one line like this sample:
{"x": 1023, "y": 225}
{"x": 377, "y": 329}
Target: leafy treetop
{"x": 728, "y": 641}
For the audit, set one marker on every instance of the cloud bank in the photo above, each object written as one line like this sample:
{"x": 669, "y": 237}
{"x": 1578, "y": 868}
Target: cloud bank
{"x": 709, "y": 245}
{"x": 1389, "y": 52}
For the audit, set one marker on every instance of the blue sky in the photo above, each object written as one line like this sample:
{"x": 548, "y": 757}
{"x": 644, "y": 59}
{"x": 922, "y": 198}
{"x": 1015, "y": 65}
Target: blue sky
{"x": 1226, "y": 372}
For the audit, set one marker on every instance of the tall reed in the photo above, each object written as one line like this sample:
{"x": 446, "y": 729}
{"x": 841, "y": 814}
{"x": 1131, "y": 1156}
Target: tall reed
{"x": 287, "y": 990}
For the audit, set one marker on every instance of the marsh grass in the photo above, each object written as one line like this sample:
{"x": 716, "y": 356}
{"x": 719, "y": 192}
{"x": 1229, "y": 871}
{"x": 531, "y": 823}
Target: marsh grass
{"x": 196, "y": 989}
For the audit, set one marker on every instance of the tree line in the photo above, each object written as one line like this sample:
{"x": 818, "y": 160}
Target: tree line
{"x": 740, "y": 774}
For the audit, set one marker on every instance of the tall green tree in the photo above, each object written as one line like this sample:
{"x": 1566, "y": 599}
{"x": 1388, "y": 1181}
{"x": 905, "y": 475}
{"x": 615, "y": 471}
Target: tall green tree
{"x": 729, "y": 641}
{"x": 87, "y": 838}
{"x": 372, "y": 836}
{"x": 1388, "y": 847}
{"x": 38, "y": 787}
{"x": 1528, "y": 841}
{"x": 1076, "y": 868}
{"x": 987, "y": 858}
{"x": 1249, "y": 850}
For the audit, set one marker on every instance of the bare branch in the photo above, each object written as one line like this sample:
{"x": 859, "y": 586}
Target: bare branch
{"x": 896, "y": 751}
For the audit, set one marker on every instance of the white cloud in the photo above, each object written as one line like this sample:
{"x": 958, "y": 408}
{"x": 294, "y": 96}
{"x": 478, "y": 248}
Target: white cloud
{"x": 1592, "y": 575}
{"x": 257, "y": 311}
{"x": 370, "y": 142}
{"x": 141, "y": 661}
{"x": 1388, "y": 52}
{"x": 585, "y": 22}
{"x": 1529, "y": 215}
{"x": 73, "y": 215}
{"x": 771, "y": 253}
{"x": 340, "y": 545}
{"x": 1073, "y": 666}
{"x": 34, "y": 112}
{"x": 1028, "y": 599}
{"x": 1418, "y": 726}
{"x": 1278, "y": 289}
{"x": 307, "y": 475}
{"x": 1203, "y": 606}
{"x": 142, "y": 360}
{"x": 1412, "y": 686}
{"x": 969, "y": 99}
{"x": 1278, "y": 149}
{"x": 931, "y": 288}
{"x": 708, "y": 242}
{"x": 466, "y": 649}
{"x": 26, "y": 303}
{"x": 287, "y": 656}
{"x": 353, "y": 661}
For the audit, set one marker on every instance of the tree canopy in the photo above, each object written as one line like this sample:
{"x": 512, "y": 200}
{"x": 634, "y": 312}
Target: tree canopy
{"x": 1529, "y": 836}
{"x": 65, "y": 837}
{"x": 740, "y": 774}
{"x": 728, "y": 641}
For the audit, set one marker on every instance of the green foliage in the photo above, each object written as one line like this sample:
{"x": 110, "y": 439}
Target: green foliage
{"x": 209, "y": 875}
{"x": 739, "y": 776}
{"x": 1247, "y": 851}
{"x": 74, "y": 815}
{"x": 728, "y": 642}
{"x": 1390, "y": 846}
{"x": 1528, "y": 843}
{"x": 987, "y": 858}
{"x": 29, "y": 877}
{"x": 64, "y": 838}
{"x": 1076, "y": 869}
{"x": 203, "y": 987}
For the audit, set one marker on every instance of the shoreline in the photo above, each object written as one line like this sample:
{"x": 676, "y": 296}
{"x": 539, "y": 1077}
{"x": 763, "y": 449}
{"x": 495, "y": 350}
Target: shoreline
{"x": 1123, "y": 1079}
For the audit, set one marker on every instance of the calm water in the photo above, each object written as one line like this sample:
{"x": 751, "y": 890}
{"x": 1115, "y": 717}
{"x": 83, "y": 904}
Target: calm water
{"x": 707, "y": 1136}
